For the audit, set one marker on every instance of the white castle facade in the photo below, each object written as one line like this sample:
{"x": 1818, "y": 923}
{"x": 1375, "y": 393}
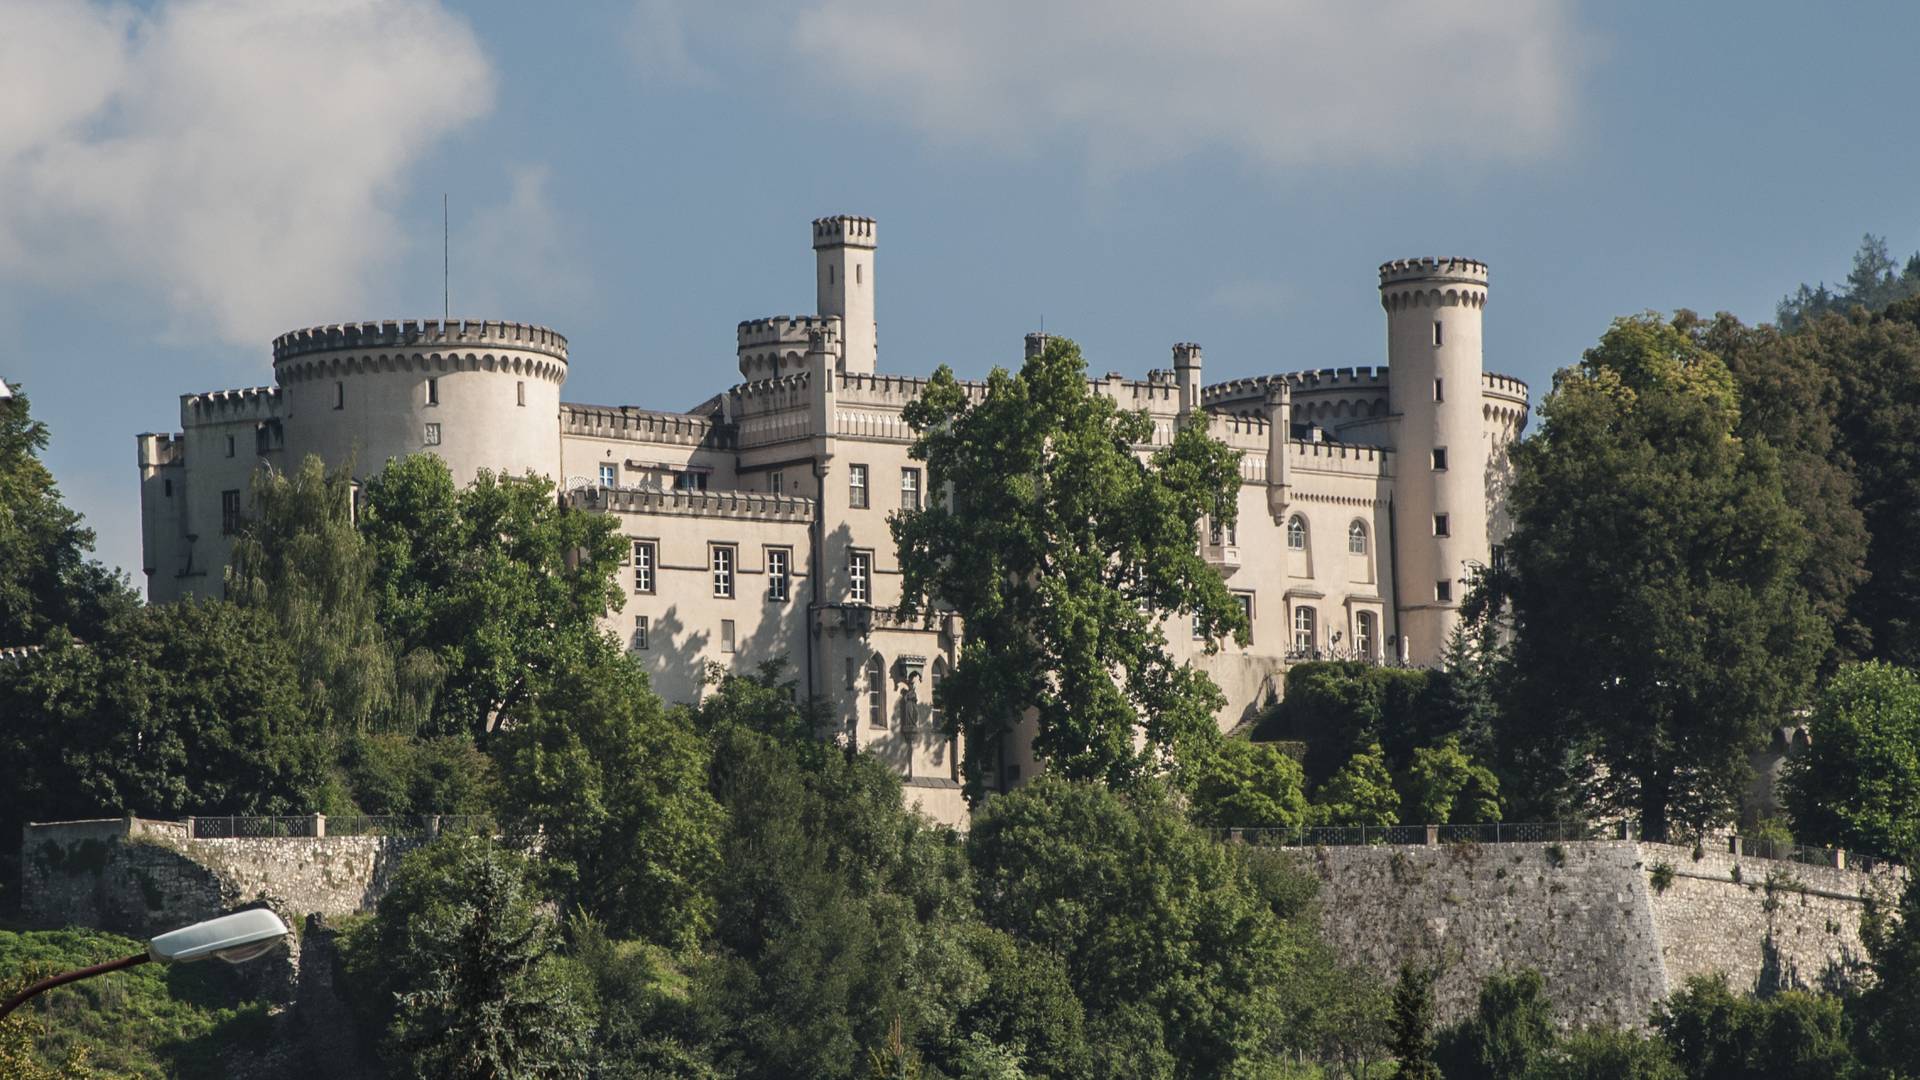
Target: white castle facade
{"x": 757, "y": 521}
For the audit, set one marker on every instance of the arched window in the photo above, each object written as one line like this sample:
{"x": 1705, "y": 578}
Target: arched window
{"x": 1357, "y": 538}
{"x": 1296, "y": 533}
{"x": 936, "y": 676}
{"x": 1364, "y": 635}
{"x": 1303, "y": 628}
{"x": 876, "y": 692}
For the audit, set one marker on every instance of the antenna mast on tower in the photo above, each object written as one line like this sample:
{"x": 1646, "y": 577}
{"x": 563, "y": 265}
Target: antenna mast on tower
{"x": 446, "y": 264}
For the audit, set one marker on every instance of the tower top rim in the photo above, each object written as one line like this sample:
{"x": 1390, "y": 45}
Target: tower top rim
{"x": 1433, "y": 269}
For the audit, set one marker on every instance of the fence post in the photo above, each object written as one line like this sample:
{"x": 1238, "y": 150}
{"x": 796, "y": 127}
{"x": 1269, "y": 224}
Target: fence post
{"x": 319, "y": 825}
{"x": 1839, "y": 858}
{"x": 1433, "y": 835}
{"x": 433, "y": 826}
{"x": 189, "y": 826}
{"x": 1735, "y": 846}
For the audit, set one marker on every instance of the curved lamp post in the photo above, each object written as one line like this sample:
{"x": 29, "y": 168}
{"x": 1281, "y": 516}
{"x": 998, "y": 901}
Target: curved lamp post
{"x": 235, "y": 938}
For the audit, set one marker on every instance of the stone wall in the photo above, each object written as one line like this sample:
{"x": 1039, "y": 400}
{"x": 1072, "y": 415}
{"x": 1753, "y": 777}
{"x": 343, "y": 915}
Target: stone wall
{"x": 1589, "y": 917}
{"x": 141, "y": 877}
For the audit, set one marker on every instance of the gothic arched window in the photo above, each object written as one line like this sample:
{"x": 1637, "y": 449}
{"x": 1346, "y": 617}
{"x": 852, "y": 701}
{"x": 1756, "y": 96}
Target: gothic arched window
{"x": 1357, "y": 538}
{"x": 1296, "y": 533}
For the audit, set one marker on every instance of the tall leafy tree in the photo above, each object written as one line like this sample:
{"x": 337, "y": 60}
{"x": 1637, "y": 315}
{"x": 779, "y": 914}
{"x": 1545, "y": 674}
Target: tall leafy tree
{"x": 46, "y": 577}
{"x": 1874, "y": 281}
{"x": 1412, "y": 1039}
{"x": 1065, "y": 547}
{"x": 1858, "y": 784}
{"x": 1655, "y": 581}
{"x": 498, "y": 581}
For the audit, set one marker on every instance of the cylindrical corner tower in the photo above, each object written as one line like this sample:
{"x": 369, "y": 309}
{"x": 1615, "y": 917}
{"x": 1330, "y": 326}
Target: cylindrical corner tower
{"x": 1440, "y": 495}
{"x": 843, "y": 248}
{"x": 477, "y": 394}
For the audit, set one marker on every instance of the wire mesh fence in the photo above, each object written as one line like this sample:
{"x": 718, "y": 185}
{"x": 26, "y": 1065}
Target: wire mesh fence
{"x": 1497, "y": 832}
{"x": 313, "y": 825}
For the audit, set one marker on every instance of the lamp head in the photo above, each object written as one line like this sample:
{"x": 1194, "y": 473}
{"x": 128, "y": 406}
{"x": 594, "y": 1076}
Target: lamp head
{"x": 234, "y": 938}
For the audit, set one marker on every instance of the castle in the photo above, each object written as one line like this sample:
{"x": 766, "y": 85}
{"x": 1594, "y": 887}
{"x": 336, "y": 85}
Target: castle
{"x": 757, "y": 521}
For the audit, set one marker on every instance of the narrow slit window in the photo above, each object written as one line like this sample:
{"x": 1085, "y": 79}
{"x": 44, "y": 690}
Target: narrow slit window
{"x": 1440, "y": 525}
{"x": 1439, "y": 389}
{"x": 1436, "y": 332}
{"x": 433, "y": 391}
{"x": 1439, "y": 459}
{"x": 520, "y": 393}
{"x": 339, "y": 395}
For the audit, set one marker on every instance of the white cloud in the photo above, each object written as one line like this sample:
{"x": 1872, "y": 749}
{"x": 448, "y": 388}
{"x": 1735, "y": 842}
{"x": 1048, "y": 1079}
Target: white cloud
{"x": 1279, "y": 83}
{"x": 238, "y": 158}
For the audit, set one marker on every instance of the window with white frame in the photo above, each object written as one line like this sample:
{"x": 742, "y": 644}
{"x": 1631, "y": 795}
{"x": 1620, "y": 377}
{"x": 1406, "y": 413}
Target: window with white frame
{"x": 860, "y": 577}
{"x": 639, "y": 633}
{"x": 1365, "y": 635}
{"x": 1303, "y": 619}
{"x": 721, "y": 559}
{"x": 777, "y": 482}
{"x": 433, "y": 435}
{"x": 1296, "y": 533}
{"x": 779, "y": 572}
{"x": 1357, "y": 538}
{"x": 857, "y": 486}
{"x": 609, "y": 474}
{"x": 876, "y": 692}
{"x": 645, "y": 556}
{"x": 909, "y": 489}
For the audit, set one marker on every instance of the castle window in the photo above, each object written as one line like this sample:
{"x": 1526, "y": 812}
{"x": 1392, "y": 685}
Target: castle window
{"x": 167, "y": 486}
{"x": 720, "y": 557}
{"x": 830, "y": 278}
{"x": 860, "y": 577}
{"x": 433, "y": 391}
{"x": 857, "y": 486}
{"x": 1436, "y": 331}
{"x": 1199, "y": 628}
{"x": 779, "y": 572}
{"x": 853, "y": 673}
{"x": 726, "y": 636}
{"x": 1246, "y": 612}
{"x": 609, "y": 474}
{"x": 1440, "y": 525}
{"x": 639, "y": 633}
{"x": 229, "y": 446}
{"x": 339, "y": 395}
{"x": 690, "y": 481}
{"x": 1296, "y": 533}
{"x": 433, "y": 434}
{"x": 1439, "y": 459}
{"x": 937, "y": 675}
{"x": 859, "y": 276}
{"x": 1357, "y": 538}
{"x": 1439, "y": 389}
{"x": 644, "y": 558}
{"x": 1443, "y": 591}
{"x": 777, "y": 482}
{"x": 909, "y": 489}
{"x": 520, "y": 393}
{"x": 1364, "y": 635}
{"x": 1214, "y": 536}
{"x": 876, "y": 692}
{"x": 229, "y": 512}
{"x": 1303, "y": 618}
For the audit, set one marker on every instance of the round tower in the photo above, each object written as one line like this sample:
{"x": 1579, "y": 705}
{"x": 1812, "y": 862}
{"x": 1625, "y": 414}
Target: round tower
{"x": 478, "y": 394}
{"x": 1440, "y": 492}
{"x": 843, "y": 248}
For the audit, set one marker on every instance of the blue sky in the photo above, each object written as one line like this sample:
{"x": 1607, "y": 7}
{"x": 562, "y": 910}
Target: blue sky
{"x": 182, "y": 179}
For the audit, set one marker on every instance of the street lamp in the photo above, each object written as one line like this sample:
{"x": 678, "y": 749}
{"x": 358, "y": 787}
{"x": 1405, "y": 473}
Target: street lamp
{"x": 235, "y": 938}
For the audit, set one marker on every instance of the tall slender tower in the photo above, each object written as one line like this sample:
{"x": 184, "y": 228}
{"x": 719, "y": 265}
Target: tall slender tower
{"x": 843, "y": 256}
{"x": 1440, "y": 488}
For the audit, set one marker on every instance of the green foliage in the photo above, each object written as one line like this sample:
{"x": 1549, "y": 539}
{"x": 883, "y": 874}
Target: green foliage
{"x": 398, "y": 774}
{"x": 617, "y": 786}
{"x": 495, "y": 581}
{"x": 1446, "y": 787}
{"x": 1411, "y": 1038}
{"x": 46, "y": 579}
{"x": 1065, "y": 552}
{"x": 1654, "y": 581}
{"x": 1181, "y": 961}
{"x": 1510, "y": 1030}
{"x": 1361, "y": 793}
{"x": 463, "y": 946}
{"x": 1886, "y": 1015}
{"x": 1858, "y": 785}
{"x": 1027, "y": 1011}
{"x": 1245, "y": 785}
{"x": 151, "y": 1021}
{"x": 1340, "y": 708}
{"x": 1715, "y": 1034}
{"x": 1606, "y": 1054}
{"x": 1874, "y": 282}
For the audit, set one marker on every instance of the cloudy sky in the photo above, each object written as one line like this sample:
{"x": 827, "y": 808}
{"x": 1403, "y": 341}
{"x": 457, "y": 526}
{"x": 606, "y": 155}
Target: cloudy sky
{"x": 180, "y": 180}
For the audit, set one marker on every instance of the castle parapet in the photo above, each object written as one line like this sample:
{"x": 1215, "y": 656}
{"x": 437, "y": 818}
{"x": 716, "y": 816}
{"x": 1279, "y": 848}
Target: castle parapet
{"x": 1432, "y": 270}
{"x": 421, "y": 333}
{"x": 229, "y": 406}
{"x": 642, "y": 425}
{"x": 749, "y": 505}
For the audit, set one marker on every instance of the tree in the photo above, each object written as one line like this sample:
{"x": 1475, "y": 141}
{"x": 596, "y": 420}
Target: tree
{"x": 1411, "y": 1039}
{"x": 1361, "y": 793}
{"x": 616, "y": 785}
{"x": 46, "y": 578}
{"x": 1886, "y": 1016}
{"x": 1065, "y": 549}
{"x": 1653, "y": 576}
{"x": 1510, "y": 1031}
{"x": 496, "y": 580}
{"x": 1340, "y": 708}
{"x": 465, "y": 944}
{"x": 1237, "y": 784}
{"x": 1446, "y": 787}
{"x": 1874, "y": 282}
{"x": 1179, "y": 957}
{"x": 1606, "y": 1054}
{"x": 1717, "y": 1035}
{"x": 1858, "y": 784}
{"x": 300, "y": 559}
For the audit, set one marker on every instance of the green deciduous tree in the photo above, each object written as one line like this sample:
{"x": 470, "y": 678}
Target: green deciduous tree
{"x": 1444, "y": 786}
{"x": 1065, "y": 548}
{"x": 1361, "y": 793}
{"x": 1236, "y": 784}
{"x": 496, "y": 580}
{"x": 465, "y": 945}
{"x": 46, "y": 577}
{"x": 1411, "y": 1038}
{"x": 1660, "y": 624}
{"x": 1715, "y": 1034}
{"x": 1510, "y": 1031}
{"x": 1858, "y": 785}
{"x": 1606, "y": 1054}
{"x": 1886, "y": 1016}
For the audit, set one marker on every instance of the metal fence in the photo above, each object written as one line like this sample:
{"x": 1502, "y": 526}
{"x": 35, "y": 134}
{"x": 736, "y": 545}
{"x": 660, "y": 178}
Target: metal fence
{"x": 1355, "y": 835}
{"x": 240, "y": 828}
{"x": 313, "y": 825}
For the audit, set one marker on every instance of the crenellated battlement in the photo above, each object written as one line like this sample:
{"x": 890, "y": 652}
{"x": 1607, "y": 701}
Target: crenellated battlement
{"x": 643, "y": 425}
{"x": 751, "y": 505}
{"x": 785, "y": 330}
{"x": 1432, "y": 270}
{"x": 1504, "y": 386}
{"x": 228, "y": 406}
{"x": 420, "y": 333}
{"x": 844, "y": 230}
